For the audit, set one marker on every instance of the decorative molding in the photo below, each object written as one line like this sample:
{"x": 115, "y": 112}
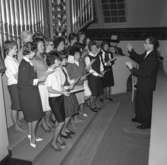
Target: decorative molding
{"x": 128, "y": 33}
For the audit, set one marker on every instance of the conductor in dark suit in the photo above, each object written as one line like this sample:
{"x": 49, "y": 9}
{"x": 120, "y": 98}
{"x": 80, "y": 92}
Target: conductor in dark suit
{"x": 146, "y": 84}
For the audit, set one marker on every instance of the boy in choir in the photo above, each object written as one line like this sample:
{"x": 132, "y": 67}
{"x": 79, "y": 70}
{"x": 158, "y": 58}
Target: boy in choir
{"x": 30, "y": 100}
{"x": 55, "y": 84}
{"x": 76, "y": 70}
{"x": 108, "y": 78}
{"x": 40, "y": 66}
{"x": 12, "y": 65}
{"x": 95, "y": 68}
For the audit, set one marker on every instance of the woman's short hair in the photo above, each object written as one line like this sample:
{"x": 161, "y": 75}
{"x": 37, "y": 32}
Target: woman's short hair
{"x": 91, "y": 43}
{"x": 51, "y": 57}
{"x": 28, "y": 47}
{"x": 36, "y": 41}
{"x": 57, "y": 41}
{"x": 9, "y": 44}
{"x": 72, "y": 36}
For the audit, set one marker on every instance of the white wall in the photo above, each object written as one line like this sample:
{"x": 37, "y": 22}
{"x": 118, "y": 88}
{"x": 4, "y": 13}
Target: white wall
{"x": 163, "y": 51}
{"x": 140, "y": 13}
{"x": 3, "y": 127}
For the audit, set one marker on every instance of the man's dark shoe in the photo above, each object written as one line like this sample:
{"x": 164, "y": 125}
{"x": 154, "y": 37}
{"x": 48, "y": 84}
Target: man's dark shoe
{"x": 142, "y": 126}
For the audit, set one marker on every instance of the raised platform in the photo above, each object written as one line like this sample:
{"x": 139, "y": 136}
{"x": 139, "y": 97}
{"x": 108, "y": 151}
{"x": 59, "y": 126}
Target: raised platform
{"x": 22, "y": 153}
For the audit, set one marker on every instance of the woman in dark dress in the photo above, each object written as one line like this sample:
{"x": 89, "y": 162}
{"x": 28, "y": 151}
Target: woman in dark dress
{"x": 29, "y": 94}
{"x": 108, "y": 79}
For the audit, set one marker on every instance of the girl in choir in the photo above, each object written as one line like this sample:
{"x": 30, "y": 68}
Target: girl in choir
{"x": 59, "y": 44}
{"x": 12, "y": 65}
{"x": 108, "y": 79}
{"x": 29, "y": 94}
{"x": 55, "y": 84}
{"x": 76, "y": 70}
{"x": 39, "y": 62}
{"x": 95, "y": 68}
{"x": 49, "y": 46}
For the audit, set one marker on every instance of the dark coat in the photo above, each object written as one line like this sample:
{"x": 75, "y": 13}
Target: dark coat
{"x": 147, "y": 72}
{"x": 29, "y": 95}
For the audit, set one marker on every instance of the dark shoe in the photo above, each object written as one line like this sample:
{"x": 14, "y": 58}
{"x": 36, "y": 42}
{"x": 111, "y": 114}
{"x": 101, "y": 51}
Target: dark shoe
{"x": 62, "y": 145}
{"x": 66, "y": 136}
{"x": 109, "y": 98}
{"x": 55, "y": 147}
{"x": 61, "y": 142}
{"x": 70, "y": 132}
{"x": 142, "y": 126}
{"x": 134, "y": 120}
{"x": 94, "y": 109}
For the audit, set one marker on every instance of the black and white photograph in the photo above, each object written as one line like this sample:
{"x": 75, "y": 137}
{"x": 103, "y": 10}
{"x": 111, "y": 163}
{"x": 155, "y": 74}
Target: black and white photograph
{"x": 83, "y": 82}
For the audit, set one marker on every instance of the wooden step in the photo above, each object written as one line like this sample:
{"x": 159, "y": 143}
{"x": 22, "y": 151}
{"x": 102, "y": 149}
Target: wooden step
{"x": 50, "y": 156}
{"x": 86, "y": 139}
{"x": 16, "y": 137}
{"x": 22, "y": 152}
{"x": 87, "y": 147}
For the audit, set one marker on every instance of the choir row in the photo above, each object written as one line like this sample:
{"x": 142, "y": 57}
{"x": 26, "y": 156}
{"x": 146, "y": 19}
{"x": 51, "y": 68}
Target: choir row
{"x": 50, "y": 79}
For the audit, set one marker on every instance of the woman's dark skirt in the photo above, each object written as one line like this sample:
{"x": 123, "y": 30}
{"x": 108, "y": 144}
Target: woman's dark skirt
{"x": 71, "y": 105}
{"x": 108, "y": 80}
{"x": 95, "y": 85}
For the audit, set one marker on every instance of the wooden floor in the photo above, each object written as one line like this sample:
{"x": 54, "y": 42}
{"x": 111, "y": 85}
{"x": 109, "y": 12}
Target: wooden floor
{"x": 104, "y": 138}
{"x": 122, "y": 142}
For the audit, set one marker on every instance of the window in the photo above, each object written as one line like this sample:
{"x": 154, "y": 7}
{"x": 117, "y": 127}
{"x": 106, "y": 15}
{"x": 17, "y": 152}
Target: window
{"x": 114, "y": 11}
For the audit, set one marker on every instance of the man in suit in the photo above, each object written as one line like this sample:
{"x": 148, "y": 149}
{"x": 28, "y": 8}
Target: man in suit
{"x": 146, "y": 74}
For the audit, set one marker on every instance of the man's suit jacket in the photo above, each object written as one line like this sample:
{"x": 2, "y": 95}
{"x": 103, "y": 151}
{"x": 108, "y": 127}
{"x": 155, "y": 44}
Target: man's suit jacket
{"x": 147, "y": 72}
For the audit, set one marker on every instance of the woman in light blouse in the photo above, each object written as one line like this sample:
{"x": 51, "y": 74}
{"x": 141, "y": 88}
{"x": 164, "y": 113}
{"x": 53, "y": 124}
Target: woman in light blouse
{"x": 12, "y": 65}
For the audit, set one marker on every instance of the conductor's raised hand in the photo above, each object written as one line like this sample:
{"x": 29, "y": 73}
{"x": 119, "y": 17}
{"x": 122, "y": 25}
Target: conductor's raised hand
{"x": 129, "y": 47}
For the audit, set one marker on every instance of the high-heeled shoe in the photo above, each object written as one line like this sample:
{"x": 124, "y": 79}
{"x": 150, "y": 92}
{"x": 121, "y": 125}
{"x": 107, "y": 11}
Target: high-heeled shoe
{"x": 37, "y": 139}
{"x": 33, "y": 145}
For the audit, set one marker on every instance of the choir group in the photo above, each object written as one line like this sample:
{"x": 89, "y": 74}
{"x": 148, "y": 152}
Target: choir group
{"x": 50, "y": 82}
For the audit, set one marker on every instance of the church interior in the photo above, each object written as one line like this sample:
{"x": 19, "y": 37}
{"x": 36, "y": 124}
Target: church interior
{"x": 104, "y": 135}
